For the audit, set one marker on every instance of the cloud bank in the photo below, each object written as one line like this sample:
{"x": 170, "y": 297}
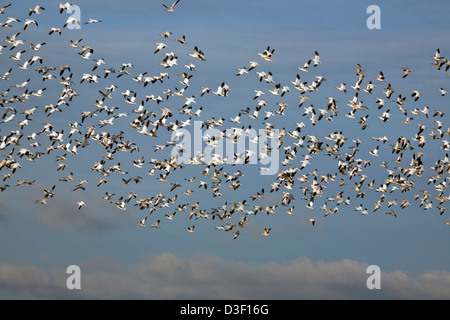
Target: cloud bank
{"x": 167, "y": 276}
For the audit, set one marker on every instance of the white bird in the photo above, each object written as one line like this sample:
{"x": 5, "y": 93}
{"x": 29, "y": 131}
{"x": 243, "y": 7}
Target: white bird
{"x": 142, "y": 222}
{"x": 28, "y": 22}
{"x": 172, "y": 7}
{"x": 5, "y": 76}
{"x": 253, "y": 65}
{"x": 241, "y": 71}
{"x": 380, "y": 77}
{"x": 385, "y": 116}
{"x": 98, "y": 63}
{"x": 437, "y": 56}
{"x": 416, "y": 94}
{"x": 266, "y": 232}
{"x": 22, "y": 85}
{"x": 35, "y": 10}
{"x": 54, "y": 30}
{"x": 374, "y": 152}
{"x": 406, "y": 72}
{"x": 442, "y": 91}
{"x": 17, "y": 56}
{"x": 190, "y": 66}
{"x": 316, "y": 59}
{"x": 24, "y": 66}
{"x": 90, "y": 21}
{"x": 159, "y": 46}
{"x": 222, "y": 90}
{"x": 155, "y": 225}
{"x": 85, "y": 54}
{"x": 305, "y": 66}
{"x": 33, "y": 59}
{"x": 39, "y": 92}
{"x": 267, "y": 54}
{"x": 71, "y": 20}
{"x": 64, "y": 6}
{"x": 74, "y": 44}
{"x": 197, "y": 54}
{"x": 284, "y": 89}
{"x": 80, "y": 204}
{"x": 342, "y": 87}
{"x": 36, "y": 47}
{"x": 121, "y": 205}
{"x": 258, "y": 93}
{"x": 182, "y": 40}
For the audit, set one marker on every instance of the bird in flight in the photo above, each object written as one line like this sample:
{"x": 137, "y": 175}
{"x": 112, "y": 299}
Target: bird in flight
{"x": 142, "y": 222}
{"x": 80, "y": 204}
{"x": 91, "y": 21}
{"x": 172, "y": 7}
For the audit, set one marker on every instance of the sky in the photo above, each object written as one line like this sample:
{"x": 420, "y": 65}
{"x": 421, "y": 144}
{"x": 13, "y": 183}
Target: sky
{"x": 119, "y": 259}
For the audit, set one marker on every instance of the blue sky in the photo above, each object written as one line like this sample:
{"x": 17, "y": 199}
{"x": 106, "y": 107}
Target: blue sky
{"x": 120, "y": 259}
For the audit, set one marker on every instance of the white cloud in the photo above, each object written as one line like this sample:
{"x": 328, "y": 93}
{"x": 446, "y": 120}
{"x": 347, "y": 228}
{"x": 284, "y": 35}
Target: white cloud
{"x": 210, "y": 277}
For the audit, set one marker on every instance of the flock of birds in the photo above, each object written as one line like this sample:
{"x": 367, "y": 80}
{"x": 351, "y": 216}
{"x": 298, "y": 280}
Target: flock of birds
{"x": 151, "y": 115}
